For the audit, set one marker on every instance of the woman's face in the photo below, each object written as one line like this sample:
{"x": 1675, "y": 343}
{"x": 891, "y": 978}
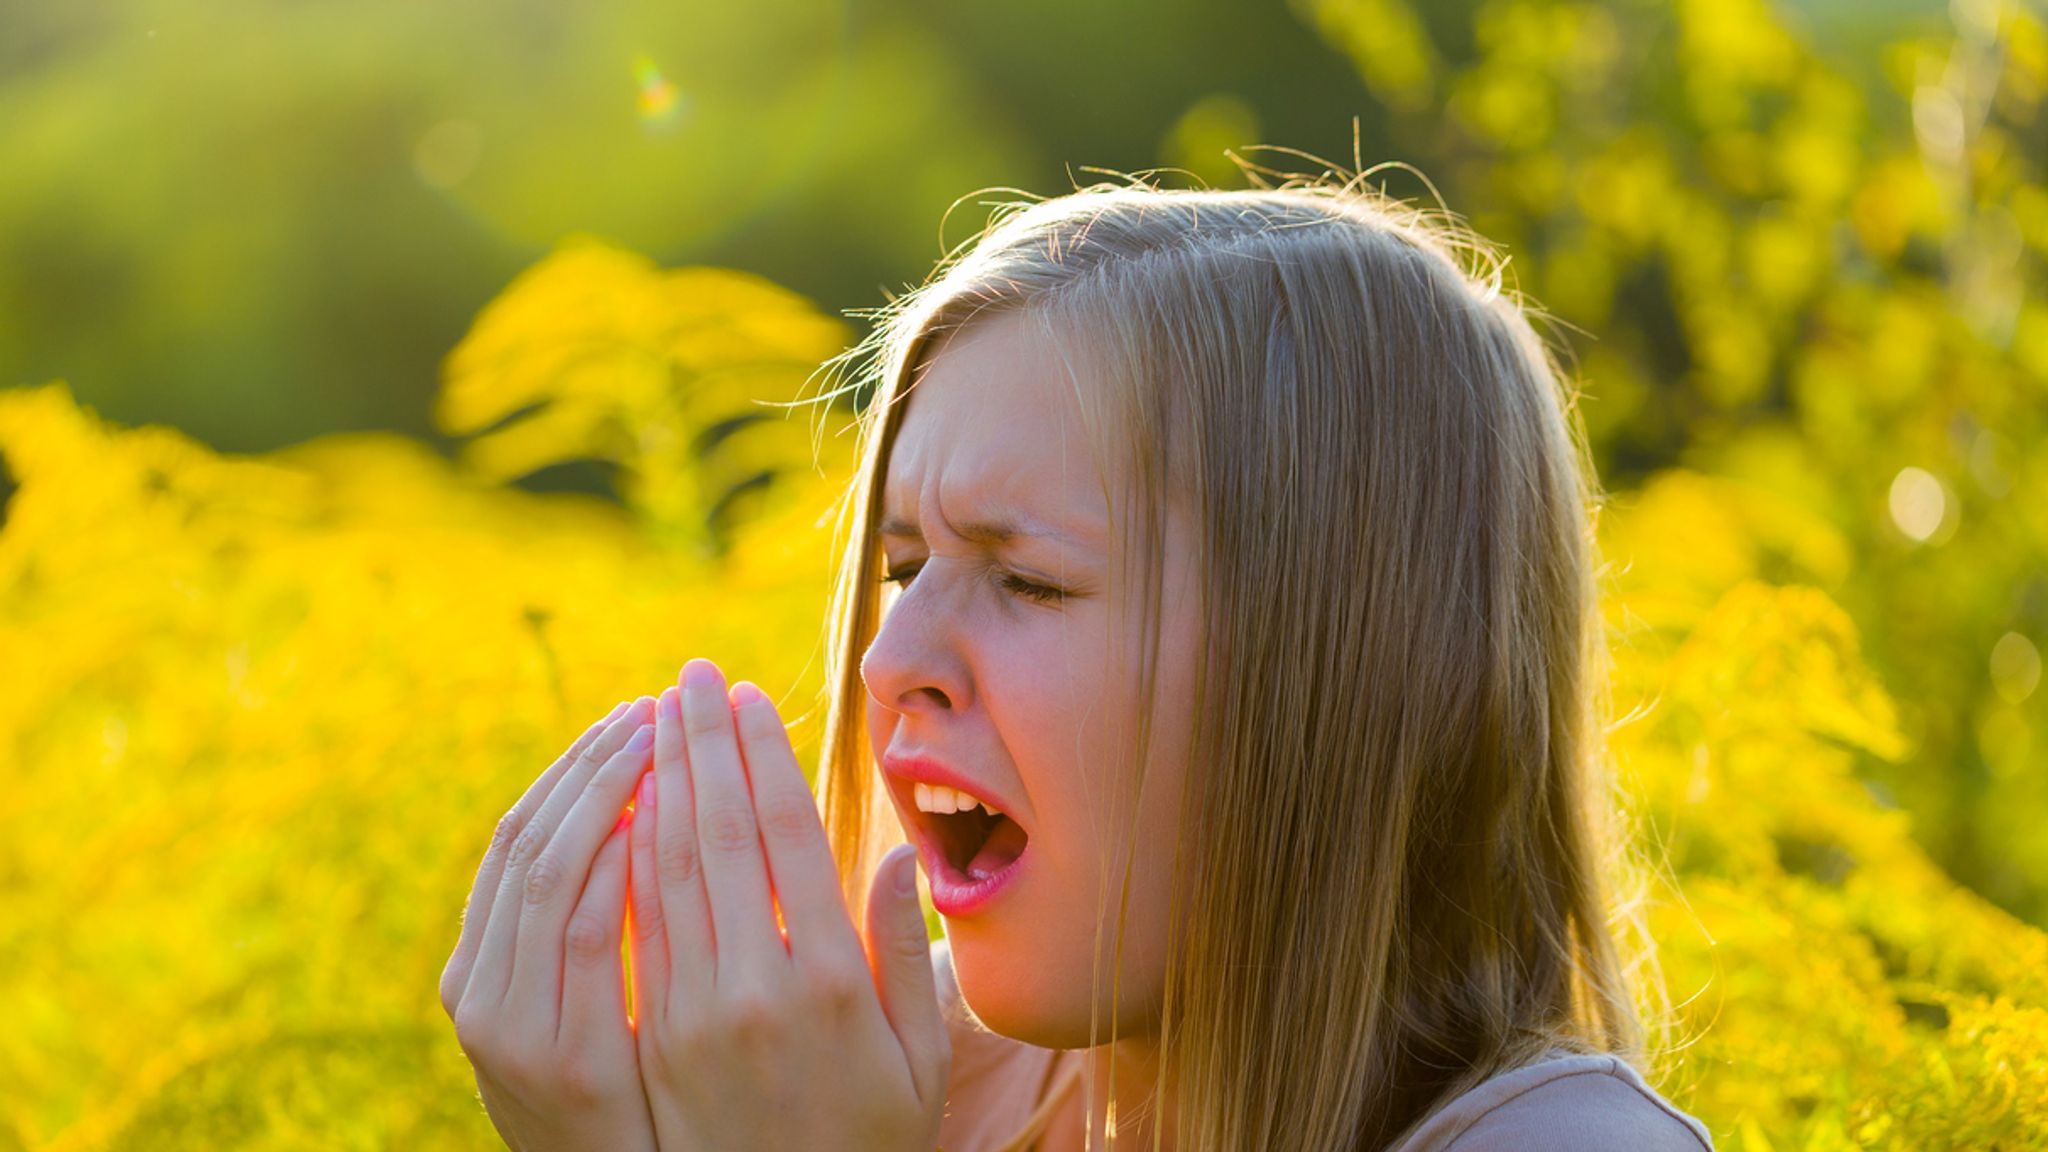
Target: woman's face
{"x": 996, "y": 660}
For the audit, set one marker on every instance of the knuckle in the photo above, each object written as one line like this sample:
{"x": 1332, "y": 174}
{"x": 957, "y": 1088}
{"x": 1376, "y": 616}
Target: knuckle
{"x": 665, "y": 1052}
{"x": 729, "y": 828}
{"x": 587, "y": 760}
{"x": 473, "y": 1028}
{"x": 706, "y": 721}
{"x": 758, "y": 724}
{"x": 837, "y": 990}
{"x": 507, "y": 831}
{"x": 528, "y": 844}
{"x": 789, "y": 817}
{"x": 581, "y": 1084}
{"x": 752, "y": 1018}
{"x": 586, "y": 940}
{"x": 676, "y": 859}
{"x": 647, "y": 918}
{"x": 613, "y": 736}
{"x": 452, "y": 984}
{"x": 910, "y": 946}
{"x": 618, "y": 760}
{"x": 544, "y": 880}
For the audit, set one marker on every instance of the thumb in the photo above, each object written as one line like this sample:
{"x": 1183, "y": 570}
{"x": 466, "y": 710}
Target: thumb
{"x": 900, "y": 950}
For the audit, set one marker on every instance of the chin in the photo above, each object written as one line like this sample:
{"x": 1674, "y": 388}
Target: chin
{"x": 1036, "y": 1000}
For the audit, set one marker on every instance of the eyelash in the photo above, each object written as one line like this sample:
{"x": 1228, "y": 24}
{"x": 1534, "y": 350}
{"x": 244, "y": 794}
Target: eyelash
{"x": 1010, "y": 581}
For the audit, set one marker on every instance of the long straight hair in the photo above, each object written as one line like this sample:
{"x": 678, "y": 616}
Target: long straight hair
{"x": 1399, "y": 859}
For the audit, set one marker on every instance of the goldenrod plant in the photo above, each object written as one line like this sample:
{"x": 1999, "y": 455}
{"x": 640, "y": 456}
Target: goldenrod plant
{"x": 260, "y": 713}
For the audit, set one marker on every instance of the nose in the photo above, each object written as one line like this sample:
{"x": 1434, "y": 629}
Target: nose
{"x": 915, "y": 663}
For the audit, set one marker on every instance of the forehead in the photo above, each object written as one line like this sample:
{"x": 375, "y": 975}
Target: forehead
{"x": 993, "y": 430}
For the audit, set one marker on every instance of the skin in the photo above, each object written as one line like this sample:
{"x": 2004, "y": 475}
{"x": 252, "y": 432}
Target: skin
{"x": 533, "y": 985}
{"x": 744, "y": 1036}
{"x": 818, "y": 1034}
{"x": 1030, "y": 696}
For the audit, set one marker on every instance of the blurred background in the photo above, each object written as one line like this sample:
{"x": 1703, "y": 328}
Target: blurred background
{"x": 379, "y": 407}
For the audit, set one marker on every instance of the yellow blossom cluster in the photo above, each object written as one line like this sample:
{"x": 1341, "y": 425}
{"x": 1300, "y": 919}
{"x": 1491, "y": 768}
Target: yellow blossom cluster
{"x": 260, "y": 714}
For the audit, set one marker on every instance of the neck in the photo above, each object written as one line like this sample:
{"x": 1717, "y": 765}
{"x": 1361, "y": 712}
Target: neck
{"x": 1141, "y": 1115}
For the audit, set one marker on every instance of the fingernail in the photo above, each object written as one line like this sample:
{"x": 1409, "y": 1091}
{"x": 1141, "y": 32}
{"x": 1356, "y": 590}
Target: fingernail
{"x": 745, "y": 692}
{"x": 646, "y": 799}
{"x": 700, "y": 673}
{"x": 642, "y": 737}
{"x": 617, "y": 710}
{"x": 671, "y": 702}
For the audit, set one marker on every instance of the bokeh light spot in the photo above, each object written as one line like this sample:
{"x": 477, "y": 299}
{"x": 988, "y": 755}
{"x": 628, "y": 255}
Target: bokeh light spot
{"x": 1196, "y": 142}
{"x": 659, "y": 101}
{"x": 2015, "y": 667}
{"x": 1918, "y": 502}
{"x": 447, "y": 152}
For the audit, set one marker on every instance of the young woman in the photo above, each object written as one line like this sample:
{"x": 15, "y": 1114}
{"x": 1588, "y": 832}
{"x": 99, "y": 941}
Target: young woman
{"x": 1218, "y": 624}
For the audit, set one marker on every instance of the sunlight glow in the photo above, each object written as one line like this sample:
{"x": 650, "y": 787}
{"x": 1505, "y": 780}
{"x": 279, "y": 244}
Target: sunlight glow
{"x": 2015, "y": 667}
{"x": 659, "y": 100}
{"x": 1918, "y": 503}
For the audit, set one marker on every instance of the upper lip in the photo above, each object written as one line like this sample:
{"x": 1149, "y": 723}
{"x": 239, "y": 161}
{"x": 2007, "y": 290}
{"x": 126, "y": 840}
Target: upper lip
{"x": 914, "y": 768}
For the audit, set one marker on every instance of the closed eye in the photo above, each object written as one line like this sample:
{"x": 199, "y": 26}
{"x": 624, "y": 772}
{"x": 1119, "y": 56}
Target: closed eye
{"x": 1010, "y": 581}
{"x": 1030, "y": 591}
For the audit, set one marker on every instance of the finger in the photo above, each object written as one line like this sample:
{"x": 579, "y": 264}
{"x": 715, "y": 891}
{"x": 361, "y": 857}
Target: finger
{"x": 821, "y": 934}
{"x": 679, "y": 863}
{"x": 649, "y": 939}
{"x": 501, "y": 937}
{"x": 747, "y": 943}
{"x": 560, "y": 874}
{"x": 900, "y": 949}
{"x": 593, "y": 981}
{"x": 476, "y": 912}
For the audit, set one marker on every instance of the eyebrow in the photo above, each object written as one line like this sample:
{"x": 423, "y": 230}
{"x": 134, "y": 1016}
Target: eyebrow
{"x": 983, "y": 533}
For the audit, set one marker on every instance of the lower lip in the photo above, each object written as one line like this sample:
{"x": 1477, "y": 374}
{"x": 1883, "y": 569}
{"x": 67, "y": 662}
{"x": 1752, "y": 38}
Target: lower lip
{"x": 955, "y": 893}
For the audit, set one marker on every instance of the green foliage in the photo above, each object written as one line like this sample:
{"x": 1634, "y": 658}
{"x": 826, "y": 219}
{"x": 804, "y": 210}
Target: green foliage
{"x": 272, "y": 705}
{"x": 1835, "y": 988}
{"x": 278, "y": 703}
{"x": 1813, "y": 265}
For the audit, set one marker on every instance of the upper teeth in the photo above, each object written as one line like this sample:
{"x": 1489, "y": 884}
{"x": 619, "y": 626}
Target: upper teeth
{"x": 939, "y": 798}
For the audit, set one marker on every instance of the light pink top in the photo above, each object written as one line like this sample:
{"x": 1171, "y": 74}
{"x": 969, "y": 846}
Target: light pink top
{"x": 1568, "y": 1103}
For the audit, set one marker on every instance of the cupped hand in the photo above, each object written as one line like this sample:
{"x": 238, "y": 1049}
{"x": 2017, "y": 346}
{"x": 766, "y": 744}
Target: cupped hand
{"x": 535, "y": 985}
{"x": 753, "y": 1036}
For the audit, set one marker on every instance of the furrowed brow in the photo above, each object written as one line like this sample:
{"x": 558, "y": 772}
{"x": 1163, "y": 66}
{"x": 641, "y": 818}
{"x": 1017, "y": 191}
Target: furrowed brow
{"x": 983, "y": 533}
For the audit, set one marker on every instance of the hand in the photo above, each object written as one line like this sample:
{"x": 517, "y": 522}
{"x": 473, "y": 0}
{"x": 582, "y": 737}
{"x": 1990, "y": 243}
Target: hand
{"x": 535, "y": 985}
{"x": 750, "y": 1037}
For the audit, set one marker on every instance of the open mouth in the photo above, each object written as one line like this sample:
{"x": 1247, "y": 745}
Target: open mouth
{"x": 974, "y": 842}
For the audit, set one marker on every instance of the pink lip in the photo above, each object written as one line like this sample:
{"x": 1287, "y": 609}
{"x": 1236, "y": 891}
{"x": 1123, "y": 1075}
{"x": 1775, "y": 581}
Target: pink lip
{"x": 956, "y": 894}
{"x": 914, "y": 769}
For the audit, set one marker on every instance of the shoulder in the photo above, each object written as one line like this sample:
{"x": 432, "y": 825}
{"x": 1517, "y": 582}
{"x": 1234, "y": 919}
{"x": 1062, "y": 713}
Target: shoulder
{"x": 1584, "y": 1103}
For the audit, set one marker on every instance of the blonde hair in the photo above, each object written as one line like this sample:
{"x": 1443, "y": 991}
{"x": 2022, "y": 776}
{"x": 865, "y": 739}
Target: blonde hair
{"x": 1397, "y": 845}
